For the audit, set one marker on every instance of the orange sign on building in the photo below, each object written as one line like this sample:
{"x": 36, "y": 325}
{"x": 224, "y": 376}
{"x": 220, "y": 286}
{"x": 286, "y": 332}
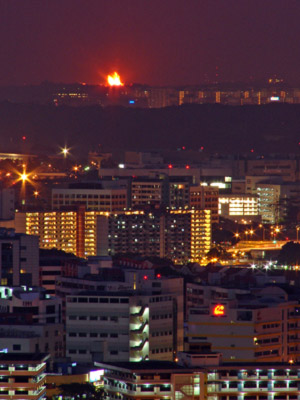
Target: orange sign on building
{"x": 219, "y": 310}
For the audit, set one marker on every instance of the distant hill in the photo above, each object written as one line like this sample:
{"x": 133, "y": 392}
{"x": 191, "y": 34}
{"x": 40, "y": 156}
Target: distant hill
{"x": 224, "y": 129}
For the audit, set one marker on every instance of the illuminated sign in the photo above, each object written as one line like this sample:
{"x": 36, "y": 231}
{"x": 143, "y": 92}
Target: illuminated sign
{"x": 275, "y": 98}
{"x": 95, "y": 376}
{"x": 219, "y": 310}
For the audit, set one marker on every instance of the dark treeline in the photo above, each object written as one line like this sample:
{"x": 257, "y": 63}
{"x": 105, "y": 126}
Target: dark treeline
{"x": 273, "y": 128}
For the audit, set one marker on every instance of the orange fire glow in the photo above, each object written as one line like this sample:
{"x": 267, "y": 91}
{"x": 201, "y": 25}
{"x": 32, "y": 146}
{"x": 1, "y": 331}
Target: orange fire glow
{"x": 114, "y": 80}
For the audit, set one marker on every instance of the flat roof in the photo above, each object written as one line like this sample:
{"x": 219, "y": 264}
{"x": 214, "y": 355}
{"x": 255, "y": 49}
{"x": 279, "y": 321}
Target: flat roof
{"x": 24, "y": 357}
{"x": 143, "y": 365}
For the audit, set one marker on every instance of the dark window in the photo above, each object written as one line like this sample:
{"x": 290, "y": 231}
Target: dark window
{"x": 50, "y": 309}
{"x": 82, "y": 300}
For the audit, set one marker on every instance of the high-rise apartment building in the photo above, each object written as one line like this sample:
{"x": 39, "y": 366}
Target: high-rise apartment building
{"x": 147, "y": 192}
{"x": 205, "y": 198}
{"x": 182, "y": 235}
{"x": 163, "y": 191}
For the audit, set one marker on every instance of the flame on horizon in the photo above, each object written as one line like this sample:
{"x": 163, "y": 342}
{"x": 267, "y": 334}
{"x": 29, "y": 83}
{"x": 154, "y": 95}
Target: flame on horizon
{"x": 114, "y": 80}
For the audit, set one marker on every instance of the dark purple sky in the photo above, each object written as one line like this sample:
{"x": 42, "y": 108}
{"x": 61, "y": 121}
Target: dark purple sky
{"x": 160, "y": 42}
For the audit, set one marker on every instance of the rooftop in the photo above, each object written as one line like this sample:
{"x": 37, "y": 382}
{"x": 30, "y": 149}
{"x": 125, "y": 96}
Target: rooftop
{"x": 24, "y": 357}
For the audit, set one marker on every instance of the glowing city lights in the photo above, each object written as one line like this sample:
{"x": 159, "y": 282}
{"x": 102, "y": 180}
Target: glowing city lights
{"x": 114, "y": 80}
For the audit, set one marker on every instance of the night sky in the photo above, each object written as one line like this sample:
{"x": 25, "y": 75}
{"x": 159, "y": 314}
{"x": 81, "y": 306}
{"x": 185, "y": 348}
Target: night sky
{"x": 158, "y": 42}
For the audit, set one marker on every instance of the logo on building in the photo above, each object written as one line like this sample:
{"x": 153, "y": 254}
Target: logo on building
{"x": 219, "y": 310}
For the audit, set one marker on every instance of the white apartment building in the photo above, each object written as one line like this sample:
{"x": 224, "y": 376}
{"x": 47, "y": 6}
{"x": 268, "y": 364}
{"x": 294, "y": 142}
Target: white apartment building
{"x": 116, "y": 326}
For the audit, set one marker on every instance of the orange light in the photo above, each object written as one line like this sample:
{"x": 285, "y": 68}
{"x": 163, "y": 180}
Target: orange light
{"x": 219, "y": 310}
{"x": 114, "y": 80}
{"x": 24, "y": 177}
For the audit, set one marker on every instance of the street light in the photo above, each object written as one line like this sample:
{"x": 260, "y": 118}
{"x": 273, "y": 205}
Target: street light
{"x": 297, "y": 230}
{"x": 65, "y": 151}
{"x": 24, "y": 177}
{"x": 263, "y": 229}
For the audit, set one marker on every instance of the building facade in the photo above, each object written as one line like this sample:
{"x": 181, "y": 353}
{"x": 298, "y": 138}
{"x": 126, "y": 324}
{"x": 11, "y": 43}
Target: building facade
{"x": 23, "y": 376}
{"x": 180, "y": 235}
{"x": 19, "y": 258}
{"x": 108, "y": 326}
{"x": 94, "y": 199}
{"x": 205, "y": 198}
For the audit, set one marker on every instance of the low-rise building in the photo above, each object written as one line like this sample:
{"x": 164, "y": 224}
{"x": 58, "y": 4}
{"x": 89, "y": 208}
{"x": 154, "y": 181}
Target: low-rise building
{"x": 23, "y": 376}
{"x": 32, "y": 319}
{"x": 253, "y": 327}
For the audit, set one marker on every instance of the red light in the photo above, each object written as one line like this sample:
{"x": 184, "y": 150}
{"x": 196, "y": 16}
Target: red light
{"x": 252, "y": 150}
{"x": 23, "y": 137}
{"x": 201, "y": 148}
{"x": 145, "y": 277}
{"x": 170, "y": 166}
{"x": 187, "y": 167}
{"x": 158, "y": 276}
{"x": 183, "y": 147}
{"x": 219, "y": 310}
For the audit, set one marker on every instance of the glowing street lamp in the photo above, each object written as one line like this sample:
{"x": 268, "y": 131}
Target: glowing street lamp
{"x": 65, "y": 151}
{"x": 24, "y": 177}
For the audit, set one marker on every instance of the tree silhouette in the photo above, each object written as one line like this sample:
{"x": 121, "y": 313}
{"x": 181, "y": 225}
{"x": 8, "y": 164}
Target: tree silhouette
{"x": 289, "y": 254}
{"x": 79, "y": 391}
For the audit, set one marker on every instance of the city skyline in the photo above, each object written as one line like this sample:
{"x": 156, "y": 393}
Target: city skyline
{"x": 169, "y": 43}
